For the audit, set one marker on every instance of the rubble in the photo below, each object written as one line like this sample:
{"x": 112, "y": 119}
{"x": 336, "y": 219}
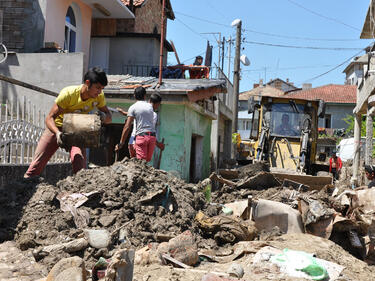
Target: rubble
{"x": 132, "y": 214}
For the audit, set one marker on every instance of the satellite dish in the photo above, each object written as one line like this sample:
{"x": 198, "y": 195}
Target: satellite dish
{"x": 236, "y": 22}
{"x": 244, "y": 59}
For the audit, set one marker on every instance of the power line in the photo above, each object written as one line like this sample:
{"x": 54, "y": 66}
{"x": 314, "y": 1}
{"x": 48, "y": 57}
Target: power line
{"x": 288, "y": 68}
{"x": 202, "y": 53}
{"x": 302, "y": 47}
{"x": 204, "y": 20}
{"x": 299, "y": 38}
{"x": 320, "y": 75}
{"x": 323, "y": 16}
{"x": 192, "y": 30}
{"x": 266, "y": 33}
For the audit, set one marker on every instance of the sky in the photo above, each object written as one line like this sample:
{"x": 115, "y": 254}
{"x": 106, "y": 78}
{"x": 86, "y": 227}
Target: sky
{"x": 311, "y": 26}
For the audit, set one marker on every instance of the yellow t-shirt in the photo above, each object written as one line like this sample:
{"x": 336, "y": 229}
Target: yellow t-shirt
{"x": 70, "y": 100}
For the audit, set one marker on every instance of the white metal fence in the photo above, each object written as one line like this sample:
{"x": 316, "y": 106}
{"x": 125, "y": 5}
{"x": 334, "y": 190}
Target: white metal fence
{"x": 21, "y": 126}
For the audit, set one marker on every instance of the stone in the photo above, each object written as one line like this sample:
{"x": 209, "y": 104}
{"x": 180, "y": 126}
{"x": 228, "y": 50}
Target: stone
{"x": 98, "y": 238}
{"x": 75, "y": 245}
{"x": 107, "y": 220}
{"x": 68, "y": 269}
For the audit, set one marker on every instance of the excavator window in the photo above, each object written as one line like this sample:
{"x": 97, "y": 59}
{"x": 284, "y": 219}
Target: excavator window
{"x": 286, "y": 119}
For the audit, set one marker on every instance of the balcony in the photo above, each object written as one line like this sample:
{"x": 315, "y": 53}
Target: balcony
{"x": 105, "y": 9}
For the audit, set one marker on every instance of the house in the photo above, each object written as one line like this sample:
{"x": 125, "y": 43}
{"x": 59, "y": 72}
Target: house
{"x": 354, "y": 70}
{"x": 36, "y": 33}
{"x": 184, "y": 121}
{"x": 284, "y": 86}
{"x": 340, "y": 101}
{"x": 365, "y": 99}
{"x": 139, "y": 36}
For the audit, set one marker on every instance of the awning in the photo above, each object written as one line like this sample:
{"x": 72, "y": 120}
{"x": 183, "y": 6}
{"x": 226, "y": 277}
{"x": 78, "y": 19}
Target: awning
{"x": 109, "y": 9}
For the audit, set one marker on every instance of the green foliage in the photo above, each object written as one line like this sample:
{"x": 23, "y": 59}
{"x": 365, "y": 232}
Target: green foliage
{"x": 349, "y": 119}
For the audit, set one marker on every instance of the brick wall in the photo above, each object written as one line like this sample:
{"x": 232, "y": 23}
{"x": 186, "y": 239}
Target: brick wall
{"x": 22, "y": 19}
{"x": 147, "y": 19}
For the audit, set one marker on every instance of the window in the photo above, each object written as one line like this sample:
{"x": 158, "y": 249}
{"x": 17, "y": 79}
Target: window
{"x": 327, "y": 121}
{"x": 286, "y": 119}
{"x": 70, "y": 31}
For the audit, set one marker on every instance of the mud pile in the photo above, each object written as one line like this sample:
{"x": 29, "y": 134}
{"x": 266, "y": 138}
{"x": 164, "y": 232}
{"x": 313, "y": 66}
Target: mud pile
{"x": 129, "y": 195}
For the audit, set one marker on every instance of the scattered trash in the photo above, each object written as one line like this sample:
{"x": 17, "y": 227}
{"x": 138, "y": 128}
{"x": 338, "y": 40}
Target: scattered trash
{"x": 268, "y": 214}
{"x": 226, "y": 229}
{"x": 181, "y": 248}
{"x": 71, "y": 202}
{"x": 297, "y": 264}
{"x": 121, "y": 266}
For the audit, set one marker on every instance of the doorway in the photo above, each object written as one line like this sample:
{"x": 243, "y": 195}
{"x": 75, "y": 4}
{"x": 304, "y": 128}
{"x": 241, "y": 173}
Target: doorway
{"x": 196, "y": 158}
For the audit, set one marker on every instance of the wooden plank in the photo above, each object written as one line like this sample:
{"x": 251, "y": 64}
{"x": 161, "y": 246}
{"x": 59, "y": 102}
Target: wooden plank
{"x": 175, "y": 52}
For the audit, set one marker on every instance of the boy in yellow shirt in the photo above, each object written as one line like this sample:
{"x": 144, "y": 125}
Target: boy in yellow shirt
{"x": 73, "y": 99}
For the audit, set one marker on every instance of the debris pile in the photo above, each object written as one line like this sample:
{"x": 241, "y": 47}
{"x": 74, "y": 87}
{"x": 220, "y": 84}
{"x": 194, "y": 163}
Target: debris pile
{"x": 127, "y": 203}
{"x": 237, "y": 223}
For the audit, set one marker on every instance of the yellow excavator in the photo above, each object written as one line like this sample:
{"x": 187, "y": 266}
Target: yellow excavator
{"x": 285, "y": 133}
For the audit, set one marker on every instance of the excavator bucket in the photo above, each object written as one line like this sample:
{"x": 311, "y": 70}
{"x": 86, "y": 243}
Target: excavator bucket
{"x": 313, "y": 182}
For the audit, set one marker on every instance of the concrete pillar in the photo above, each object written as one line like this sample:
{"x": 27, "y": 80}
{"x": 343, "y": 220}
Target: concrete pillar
{"x": 369, "y": 134}
{"x": 357, "y": 148}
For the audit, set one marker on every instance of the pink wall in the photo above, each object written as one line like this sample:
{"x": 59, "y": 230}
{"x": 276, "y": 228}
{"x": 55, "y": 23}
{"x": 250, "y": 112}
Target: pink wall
{"x": 55, "y": 24}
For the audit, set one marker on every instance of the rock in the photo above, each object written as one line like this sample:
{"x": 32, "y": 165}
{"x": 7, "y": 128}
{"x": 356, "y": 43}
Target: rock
{"x": 69, "y": 269}
{"x": 26, "y": 243}
{"x": 107, "y": 220}
{"x": 75, "y": 245}
{"x": 98, "y": 238}
{"x": 236, "y": 270}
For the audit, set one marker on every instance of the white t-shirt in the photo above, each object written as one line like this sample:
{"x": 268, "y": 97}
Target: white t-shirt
{"x": 143, "y": 114}
{"x": 132, "y": 137}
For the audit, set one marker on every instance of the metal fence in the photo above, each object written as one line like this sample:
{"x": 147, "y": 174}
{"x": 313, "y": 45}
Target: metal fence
{"x": 21, "y": 126}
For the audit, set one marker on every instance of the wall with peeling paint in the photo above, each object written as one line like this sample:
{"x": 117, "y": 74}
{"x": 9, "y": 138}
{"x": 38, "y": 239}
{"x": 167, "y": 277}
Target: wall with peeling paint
{"x": 177, "y": 125}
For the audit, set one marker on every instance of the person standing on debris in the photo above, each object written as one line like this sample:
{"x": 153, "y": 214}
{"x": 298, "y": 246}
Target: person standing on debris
{"x": 143, "y": 113}
{"x": 335, "y": 165}
{"x": 370, "y": 175}
{"x": 74, "y": 99}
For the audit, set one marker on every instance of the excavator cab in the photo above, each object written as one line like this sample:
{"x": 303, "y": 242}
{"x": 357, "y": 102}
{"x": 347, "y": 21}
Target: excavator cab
{"x": 285, "y": 132}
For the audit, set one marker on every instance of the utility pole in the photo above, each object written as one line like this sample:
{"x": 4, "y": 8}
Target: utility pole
{"x": 229, "y": 55}
{"x": 222, "y": 55}
{"x": 236, "y": 77}
{"x": 162, "y": 37}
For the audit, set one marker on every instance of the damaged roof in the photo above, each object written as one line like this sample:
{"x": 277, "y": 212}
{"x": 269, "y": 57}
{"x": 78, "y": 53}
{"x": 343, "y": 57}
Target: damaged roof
{"x": 122, "y": 86}
{"x": 140, "y": 3}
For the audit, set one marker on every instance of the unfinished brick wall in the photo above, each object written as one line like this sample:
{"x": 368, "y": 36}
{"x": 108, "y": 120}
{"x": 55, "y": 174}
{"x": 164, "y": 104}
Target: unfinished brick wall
{"x": 147, "y": 19}
{"x": 21, "y": 24}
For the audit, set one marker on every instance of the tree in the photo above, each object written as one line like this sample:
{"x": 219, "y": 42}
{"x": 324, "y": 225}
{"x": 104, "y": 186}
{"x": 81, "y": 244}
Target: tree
{"x": 349, "y": 119}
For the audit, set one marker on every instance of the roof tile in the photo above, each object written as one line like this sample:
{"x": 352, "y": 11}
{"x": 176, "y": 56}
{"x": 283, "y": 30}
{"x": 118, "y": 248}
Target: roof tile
{"x": 329, "y": 93}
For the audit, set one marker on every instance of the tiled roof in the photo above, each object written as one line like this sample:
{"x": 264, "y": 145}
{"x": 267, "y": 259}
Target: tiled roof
{"x": 329, "y": 93}
{"x": 264, "y": 91}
